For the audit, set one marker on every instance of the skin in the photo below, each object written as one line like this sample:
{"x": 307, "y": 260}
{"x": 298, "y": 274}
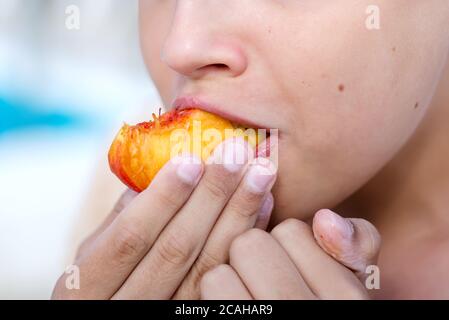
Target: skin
{"x": 354, "y": 125}
{"x": 277, "y": 57}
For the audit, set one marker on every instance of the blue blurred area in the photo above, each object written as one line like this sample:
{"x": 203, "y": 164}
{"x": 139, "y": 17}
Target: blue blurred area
{"x": 63, "y": 95}
{"x": 16, "y": 114}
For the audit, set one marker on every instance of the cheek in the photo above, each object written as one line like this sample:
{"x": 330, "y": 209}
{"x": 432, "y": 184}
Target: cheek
{"x": 361, "y": 98}
{"x": 355, "y": 101}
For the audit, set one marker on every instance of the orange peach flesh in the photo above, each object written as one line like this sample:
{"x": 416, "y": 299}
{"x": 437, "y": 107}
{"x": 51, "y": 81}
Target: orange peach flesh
{"x": 139, "y": 152}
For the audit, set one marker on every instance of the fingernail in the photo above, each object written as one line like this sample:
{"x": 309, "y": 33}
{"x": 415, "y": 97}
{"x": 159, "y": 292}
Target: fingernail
{"x": 260, "y": 177}
{"x": 189, "y": 168}
{"x": 233, "y": 154}
{"x": 343, "y": 226}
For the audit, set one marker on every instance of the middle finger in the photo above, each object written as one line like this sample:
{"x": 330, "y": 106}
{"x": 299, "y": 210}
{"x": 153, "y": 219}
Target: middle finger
{"x": 252, "y": 198}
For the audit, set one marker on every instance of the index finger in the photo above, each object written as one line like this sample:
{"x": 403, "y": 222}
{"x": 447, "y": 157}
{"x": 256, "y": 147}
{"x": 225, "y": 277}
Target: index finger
{"x": 116, "y": 252}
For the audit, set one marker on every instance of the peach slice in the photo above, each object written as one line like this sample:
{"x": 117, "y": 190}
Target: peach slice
{"x": 139, "y": 152}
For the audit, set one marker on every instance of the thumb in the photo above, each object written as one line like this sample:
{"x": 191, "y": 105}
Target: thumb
{"x": 353, "y": 242}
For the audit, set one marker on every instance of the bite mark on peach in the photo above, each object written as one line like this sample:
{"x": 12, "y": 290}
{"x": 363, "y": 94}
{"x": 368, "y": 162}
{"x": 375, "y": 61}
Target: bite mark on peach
{"x": 138, "y": 152}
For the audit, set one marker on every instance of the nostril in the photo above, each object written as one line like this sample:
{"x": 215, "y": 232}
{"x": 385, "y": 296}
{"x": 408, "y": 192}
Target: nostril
{"x": 215, "y": 67}
{"x": 220, "y": 66}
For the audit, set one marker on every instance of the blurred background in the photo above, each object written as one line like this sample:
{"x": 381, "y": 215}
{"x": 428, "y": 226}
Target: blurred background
{"x": 64, "y": 92}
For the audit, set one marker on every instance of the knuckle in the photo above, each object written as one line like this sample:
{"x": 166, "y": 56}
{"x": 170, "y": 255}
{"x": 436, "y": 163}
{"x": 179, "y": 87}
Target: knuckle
{"x": 245, "y": 204}
{"x": 292, "y": 228}
{"x": 167, "y": 200}
{"x": 248, "y": 241}
{"x": 128, "y": 243}
{"x": 216, "y": 187}
{"x": 205, "y": 262}
{"x": 174, "y": 249}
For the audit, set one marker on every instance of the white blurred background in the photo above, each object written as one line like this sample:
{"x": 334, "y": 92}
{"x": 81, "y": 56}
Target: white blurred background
{"x": 63, "y": 94}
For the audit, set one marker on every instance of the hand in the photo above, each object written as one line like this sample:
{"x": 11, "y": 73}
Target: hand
{"x": 295, "y": 261}
{"x": 159, "y": 243}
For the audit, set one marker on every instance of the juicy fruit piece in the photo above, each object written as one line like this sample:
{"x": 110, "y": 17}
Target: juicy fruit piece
{"x": 139, "y": 152}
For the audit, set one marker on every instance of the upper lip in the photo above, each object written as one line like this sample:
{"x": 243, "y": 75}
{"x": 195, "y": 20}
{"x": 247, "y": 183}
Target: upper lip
{"x": 186, "y": 102}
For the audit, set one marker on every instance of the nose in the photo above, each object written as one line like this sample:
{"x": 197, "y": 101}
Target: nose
{"x": 197, "y": 46}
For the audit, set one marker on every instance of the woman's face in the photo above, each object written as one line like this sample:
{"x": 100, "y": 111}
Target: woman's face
{"x": 345, "y": 97}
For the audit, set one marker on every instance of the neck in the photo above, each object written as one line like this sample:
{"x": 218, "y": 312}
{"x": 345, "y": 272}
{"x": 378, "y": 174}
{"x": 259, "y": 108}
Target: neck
{"x": 412, "y": 192}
